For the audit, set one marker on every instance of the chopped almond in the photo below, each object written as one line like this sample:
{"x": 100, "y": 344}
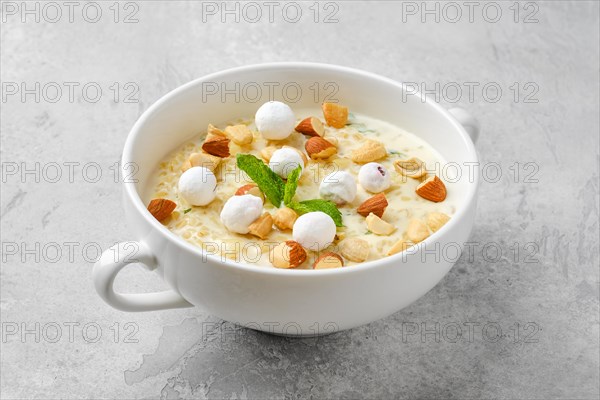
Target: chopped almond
{"x": 288, "y": 254}
{"x": 328, "y": 260}
{"x": 399, "y": 246}
{"x": 436, "y": 220}
{"x": 262, "y": 226}
{"x": 239, "y": 134}
{"x": 161, "y": 209}
{"x": 416, "y": 231}
{"x": 319, "y": 148}
{"x": 376, "y": 205}
{"x": 311, "y": 126}
{"x": 371, "y": 150}
{"x": 335, "y": 115}
{"x": 432, "y": 189}
{"x": 284, "y": 218}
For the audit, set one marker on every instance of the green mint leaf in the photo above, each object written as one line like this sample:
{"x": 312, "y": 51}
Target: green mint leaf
{"x": 291, "y": 185}
{"x": 268, "y": 181}
{"x": 325, "y": 206}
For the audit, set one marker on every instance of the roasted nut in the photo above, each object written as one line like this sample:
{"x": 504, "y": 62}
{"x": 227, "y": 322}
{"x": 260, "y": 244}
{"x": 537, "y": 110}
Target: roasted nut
{"x": 328, "y": 260}
{"x": 376, "y": 205}
{"x": 267, "y": 152}
{"x": 161, "y": 208}
{"x": 335, "y": 115}
{"x": 400, "y": 245}
{"x": 239, "y": 134}
{"x": 213, "y": 132}
{"x": 216, "y": 145}
{"x": 432, "y": 189}
{"x": 371, "y": 150}
{"x": 311, "y": 126}
{"x": 252, "y": 189}
{"x": 202, "y": 159}
{"x": 262, "y": 226}
{"x": 435, "y": 220}
{"x": 288, "y": 254}
{"x": 416, "y": 231}
{"x": 413, "y": 167}
{"x": 379, "y": 226}
{"x": 355, "y": 249}
{"x": 319, "y": 148}
{"x": 284, "y": 218}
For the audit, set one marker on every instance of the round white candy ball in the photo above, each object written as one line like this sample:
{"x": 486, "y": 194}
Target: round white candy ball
{"x": 275, "y": 120}
{"x": 339, "y": 187}
{"x": 240, "y": 211}
{"x": 285, "y": 160}
{"x": 314, "y": 230}
{"x": 374, "y": 178}
{"x": 197, "y": 186}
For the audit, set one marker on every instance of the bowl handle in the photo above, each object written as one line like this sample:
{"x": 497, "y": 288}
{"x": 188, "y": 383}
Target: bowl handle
{"x": 112, "y": 261}
{"x": 469, "y": 122}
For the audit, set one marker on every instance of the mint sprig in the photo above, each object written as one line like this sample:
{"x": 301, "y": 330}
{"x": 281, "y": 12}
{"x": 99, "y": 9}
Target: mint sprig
{"x": 325, "y": 206}
{"x": 307, "y": 206}
{"x": 268, "y": 181}
{"x": 291, "y": 185}
{"x": 277, "y": 191}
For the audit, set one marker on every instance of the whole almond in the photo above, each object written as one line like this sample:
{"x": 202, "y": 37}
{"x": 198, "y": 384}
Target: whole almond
{"x": 376, "y": 205}
{"x": 335, "y": 115}
{"x": 217, "y": 146}
{"x": 161, "y": 208}
{"x": 319, "y": 148}
{"x": 288, "y": 254}
{"x": 262, "y": 226}
{"x": 370, "y": 151}
{"x": 328, "y": 260}
{"x": 311, "y": 126}
{"x": 432, "y": 189}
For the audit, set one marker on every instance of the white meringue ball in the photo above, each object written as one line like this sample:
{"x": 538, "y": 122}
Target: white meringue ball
{"x": 197, "y": 186}
{"x": 285, "y": 160}
{"x": 339, "y": 187}
{"x": 275, "y": 120}
{"x": 374, "y": 177}
{"x": 314, "y": 230}
{"x": 240, "y": 211}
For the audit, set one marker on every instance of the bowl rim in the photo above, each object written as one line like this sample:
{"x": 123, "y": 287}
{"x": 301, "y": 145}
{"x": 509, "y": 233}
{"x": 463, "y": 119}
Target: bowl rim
{"x": 134, "y": 196}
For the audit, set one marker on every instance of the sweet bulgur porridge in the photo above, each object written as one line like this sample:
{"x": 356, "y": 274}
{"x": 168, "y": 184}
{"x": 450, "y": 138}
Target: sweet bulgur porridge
{"x": 302, "y": 189}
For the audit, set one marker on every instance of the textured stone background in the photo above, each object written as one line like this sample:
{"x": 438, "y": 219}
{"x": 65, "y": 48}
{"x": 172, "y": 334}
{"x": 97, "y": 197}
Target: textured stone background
{"x": 187, "y": 353}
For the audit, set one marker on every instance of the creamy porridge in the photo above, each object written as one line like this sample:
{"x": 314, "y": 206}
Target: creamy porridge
{"x": 365, "y": 163}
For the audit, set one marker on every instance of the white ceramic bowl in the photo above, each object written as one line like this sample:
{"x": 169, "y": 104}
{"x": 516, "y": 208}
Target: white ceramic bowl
{"x": 288, "y": 302}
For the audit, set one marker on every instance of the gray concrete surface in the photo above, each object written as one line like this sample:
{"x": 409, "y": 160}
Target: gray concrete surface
{"x": 536, "y": 281}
